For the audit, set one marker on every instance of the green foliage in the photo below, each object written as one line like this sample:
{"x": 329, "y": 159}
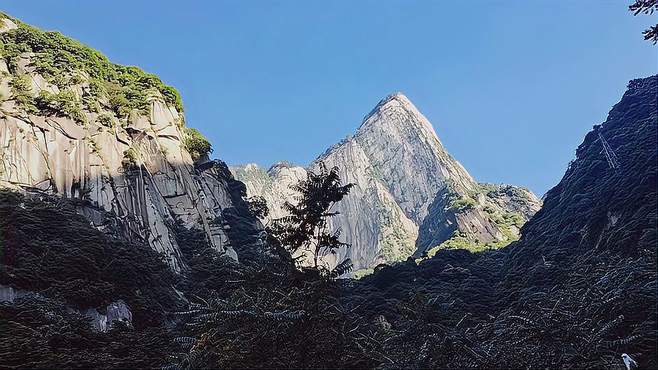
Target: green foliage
{"x": 76, "y": 79}
{"x": 56, "y": 56}
{"x": 504, "y": 221}
{"x": 207, "y": 270}
{"x": 51, "y": 249}
{"x": 576, "y": 292}
{"x": 516, "y": 194}
{"x": 559, "y": 298}
{"x": 396, "y": 243}
{"x": 268, "y": 314}
{"x": 123, "y": 100}
{"x": 512, "y": 218}
{"x": 97, "y": 89}
{"x": 358, "y": 274}
{"x": 258, "y": 207}
{"x": 459, "y": 241}
{"x": 38, "y": 333}
{"x": 65, "y": 103}
{"x": 262, "y": 315}
{"x": 105, "y": 120}
{"x": 196, "y": 144}
{"x": 307, "y": 228}
{"x": 95, "y": 148}
{"x": 172, "y": 96}
{"x": 465, "y": 310}
{"x": 462, "y": 204}
{"x": 508, "y": 223}
{"x": 130, "y": 158}
{"x": 21, "y": 91}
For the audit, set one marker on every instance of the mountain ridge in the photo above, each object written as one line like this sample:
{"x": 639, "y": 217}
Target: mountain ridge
{"x": 402, "y": 194}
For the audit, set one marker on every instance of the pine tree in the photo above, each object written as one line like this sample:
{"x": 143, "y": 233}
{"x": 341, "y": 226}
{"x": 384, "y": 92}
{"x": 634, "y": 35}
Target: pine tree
{"x": 307, "y": 226}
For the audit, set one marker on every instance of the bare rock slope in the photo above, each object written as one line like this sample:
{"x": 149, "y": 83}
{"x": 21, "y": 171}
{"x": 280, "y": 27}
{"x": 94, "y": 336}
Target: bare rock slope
{"x": 76, "y": 125}
{"x": 410, "y": 196}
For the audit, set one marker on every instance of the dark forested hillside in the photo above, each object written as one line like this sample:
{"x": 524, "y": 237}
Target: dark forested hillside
{"x": 56, "y": 267}
{"x": 606, "y": 201}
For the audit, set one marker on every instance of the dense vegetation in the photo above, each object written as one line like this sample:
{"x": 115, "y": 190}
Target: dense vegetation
{"x": 578, "y": 290}
{"x": 87, "y": 82}
{"x": 271, "y": 315}
{"x": 196, "y": 144}
{"x": 53, "y": 253}
{"x": 63, "y": 103}
{"x": 64, "y": 62}
{"x": 556, "y": 298}
{"x": 485, "y": 201}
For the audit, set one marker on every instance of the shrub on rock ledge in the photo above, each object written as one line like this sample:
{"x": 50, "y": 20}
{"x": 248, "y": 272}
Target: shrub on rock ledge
{"x": 196, "y": 143}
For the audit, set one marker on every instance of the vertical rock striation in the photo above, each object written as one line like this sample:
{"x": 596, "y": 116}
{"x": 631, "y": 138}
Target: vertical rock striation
{"x": 409, "y": 196}
{"x": 80, "y": 134}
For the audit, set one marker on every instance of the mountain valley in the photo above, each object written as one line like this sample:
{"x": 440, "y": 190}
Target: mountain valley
{"x": 124, "y": 245}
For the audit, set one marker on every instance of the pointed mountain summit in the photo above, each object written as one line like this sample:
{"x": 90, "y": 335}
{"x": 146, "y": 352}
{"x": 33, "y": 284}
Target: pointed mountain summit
{"x": 410, "y": 196}
{"x": 400, "y": 141}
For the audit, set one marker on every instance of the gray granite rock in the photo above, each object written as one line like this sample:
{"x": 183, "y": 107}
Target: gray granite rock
{"x": 405, "y": 184}
{"x": 87, "y": 160}
{"x": 116, "y": 311}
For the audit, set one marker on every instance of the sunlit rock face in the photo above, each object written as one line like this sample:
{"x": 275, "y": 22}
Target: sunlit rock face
{"x": 407, "y": 155}
{"x": 406, "y": 194}
{"x": 273, "y": 184}
{"x": 135, "y": 167}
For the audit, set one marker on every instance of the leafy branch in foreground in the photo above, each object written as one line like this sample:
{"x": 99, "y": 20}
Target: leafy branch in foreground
{"x": 307, "y": 226}
{"x": 278, "y": 315}
{"x": 646, "y": 7}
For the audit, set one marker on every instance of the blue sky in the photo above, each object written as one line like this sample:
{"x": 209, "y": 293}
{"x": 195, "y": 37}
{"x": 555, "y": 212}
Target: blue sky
{"x": 511, "y": 87}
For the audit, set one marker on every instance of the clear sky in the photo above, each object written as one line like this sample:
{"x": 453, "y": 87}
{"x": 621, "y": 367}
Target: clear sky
{"x": 511, "y": 87}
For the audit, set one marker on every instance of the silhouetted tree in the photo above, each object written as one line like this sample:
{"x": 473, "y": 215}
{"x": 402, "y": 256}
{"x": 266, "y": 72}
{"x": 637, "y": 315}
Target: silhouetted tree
{"x": 258, "y": 206}
{"x": 307, "y": 227}
{"x": 646, "y": 7}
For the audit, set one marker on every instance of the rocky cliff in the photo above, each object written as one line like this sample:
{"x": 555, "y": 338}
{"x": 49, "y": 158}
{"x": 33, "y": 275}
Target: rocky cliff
{"x": 606, "y": 201}
{"x": 409, "y": 196}
{"x": 74, "y": 124}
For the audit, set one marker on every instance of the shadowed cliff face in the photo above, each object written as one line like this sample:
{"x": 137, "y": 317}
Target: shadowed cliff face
{"x": 409, "y": 196}
{"x": 61, "y": 136}
{"x": 605, "y": 201}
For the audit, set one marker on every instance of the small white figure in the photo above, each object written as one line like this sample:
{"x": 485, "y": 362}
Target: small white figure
{"x": 629, "y": 362}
